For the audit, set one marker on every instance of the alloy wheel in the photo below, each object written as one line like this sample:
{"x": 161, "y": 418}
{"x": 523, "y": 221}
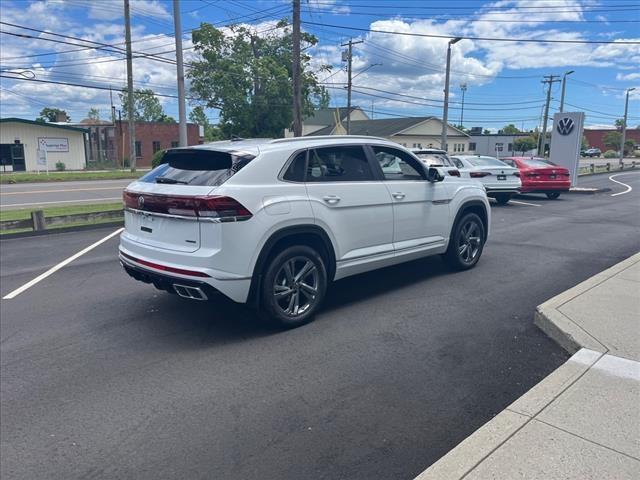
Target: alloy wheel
{"x": 296, "y": 284}
{"x": 469, "y": 241}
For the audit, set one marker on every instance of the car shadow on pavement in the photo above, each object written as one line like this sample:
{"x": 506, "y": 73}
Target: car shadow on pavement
{"x": 187, "y": 323}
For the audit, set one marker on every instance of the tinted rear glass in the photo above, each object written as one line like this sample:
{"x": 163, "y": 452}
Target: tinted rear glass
{"x": 485, "y": 162}
{"x": 537, "y": 162}
{"x": 197, "y": 167}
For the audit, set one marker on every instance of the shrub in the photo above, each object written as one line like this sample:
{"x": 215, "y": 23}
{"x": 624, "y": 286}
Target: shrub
{"x": 60, "y": 166}
{"x": 610, "y": 154}
{"x": 157, "y": 158}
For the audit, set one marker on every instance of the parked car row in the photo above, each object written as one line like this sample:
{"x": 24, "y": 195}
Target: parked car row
{"x": 271, "y": 223}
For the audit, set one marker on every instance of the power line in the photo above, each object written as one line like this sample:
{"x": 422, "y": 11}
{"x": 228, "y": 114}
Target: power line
{"x": 487, "y": 39}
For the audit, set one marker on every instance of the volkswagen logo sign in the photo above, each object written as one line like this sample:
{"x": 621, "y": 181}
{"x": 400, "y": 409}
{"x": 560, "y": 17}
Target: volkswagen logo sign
{"x": 140, "y": 202}
{"x": 565, "y": 126}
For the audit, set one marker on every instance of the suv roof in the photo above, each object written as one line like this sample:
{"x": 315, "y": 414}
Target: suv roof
{"x": 255, "y": 145}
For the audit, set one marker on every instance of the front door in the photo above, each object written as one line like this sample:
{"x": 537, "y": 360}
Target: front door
{"x": 420, "y": 207}
{"x": 17, "y": 157}
{"x": 351, "y": 203}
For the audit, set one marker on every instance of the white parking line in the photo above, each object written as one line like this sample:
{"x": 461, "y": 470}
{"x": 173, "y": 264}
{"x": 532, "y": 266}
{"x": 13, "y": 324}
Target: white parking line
{"x": 620, "y": 183}
{"x": 525, "y": 203}
{"x": 57, "y": 267}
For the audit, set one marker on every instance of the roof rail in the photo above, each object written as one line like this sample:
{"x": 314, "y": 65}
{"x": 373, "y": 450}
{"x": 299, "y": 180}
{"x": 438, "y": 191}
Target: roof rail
{"x": 326, "y": 137}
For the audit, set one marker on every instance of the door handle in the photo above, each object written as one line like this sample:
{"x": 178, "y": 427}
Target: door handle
{"x": 398, "y": 195}
{"x": 331, "y": 199}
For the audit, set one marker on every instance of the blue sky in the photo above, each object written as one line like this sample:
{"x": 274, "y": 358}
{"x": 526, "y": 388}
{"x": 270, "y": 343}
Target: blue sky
{"x": 503, "y": 79}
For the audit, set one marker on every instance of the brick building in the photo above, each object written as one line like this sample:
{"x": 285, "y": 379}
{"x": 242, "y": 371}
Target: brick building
{"x": 151, "y": 137}
{"x": 595, "y": 137}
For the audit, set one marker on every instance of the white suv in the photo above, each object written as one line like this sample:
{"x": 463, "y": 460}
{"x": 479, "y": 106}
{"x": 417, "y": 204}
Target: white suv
{"x": 272, "y": 222}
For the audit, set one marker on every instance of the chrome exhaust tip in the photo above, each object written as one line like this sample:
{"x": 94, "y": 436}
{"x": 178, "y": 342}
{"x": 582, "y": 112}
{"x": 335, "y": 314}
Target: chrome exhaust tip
{"x": 192, "y": 293}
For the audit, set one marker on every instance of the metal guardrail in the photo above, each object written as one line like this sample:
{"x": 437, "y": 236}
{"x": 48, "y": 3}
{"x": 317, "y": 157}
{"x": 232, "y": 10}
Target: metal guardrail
{"x": 607, "y": 167}
{"x": 39, "y": 222}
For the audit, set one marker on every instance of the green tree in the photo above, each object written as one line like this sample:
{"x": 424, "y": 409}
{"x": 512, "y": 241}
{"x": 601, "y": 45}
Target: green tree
{"x": 524, "y": 144}
{"x": 198, "y": 115}
{"x": 612, "y": 139}
{"x": 585, "y": 143}
{"x": 94, "y": 114}
{"x": 618, "y": 123}
{"x": 146, "y": 107}
{"x": 248, "y": 78}
{"x": 510, "y": 129}
{"x": 48, "y": 114}
{"x": 322, "y": 98}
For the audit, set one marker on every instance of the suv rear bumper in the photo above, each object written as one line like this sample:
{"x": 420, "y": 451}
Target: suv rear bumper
{"x": 237, "y": 289}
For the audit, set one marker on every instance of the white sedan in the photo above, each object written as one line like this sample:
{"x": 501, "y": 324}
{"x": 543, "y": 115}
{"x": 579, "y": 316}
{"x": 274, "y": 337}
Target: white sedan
{"x": 500, "y": 180}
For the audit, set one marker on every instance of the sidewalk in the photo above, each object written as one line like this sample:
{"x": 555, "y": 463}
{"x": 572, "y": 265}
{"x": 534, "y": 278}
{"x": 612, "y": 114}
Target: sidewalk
{"x": 583, "y": 420}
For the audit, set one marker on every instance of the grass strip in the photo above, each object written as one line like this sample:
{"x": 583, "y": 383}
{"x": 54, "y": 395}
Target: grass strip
{"x": 9, "y": 178}
{"x": 25, "y": 214}
{"x": 56, "y": 227}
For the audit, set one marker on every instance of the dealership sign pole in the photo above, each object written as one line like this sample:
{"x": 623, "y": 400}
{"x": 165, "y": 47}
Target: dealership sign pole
{"x": 566, "y": 139}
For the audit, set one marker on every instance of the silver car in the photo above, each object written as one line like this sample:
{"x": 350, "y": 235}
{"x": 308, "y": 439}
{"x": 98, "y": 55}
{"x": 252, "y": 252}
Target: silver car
{"x": 500, "y": 180}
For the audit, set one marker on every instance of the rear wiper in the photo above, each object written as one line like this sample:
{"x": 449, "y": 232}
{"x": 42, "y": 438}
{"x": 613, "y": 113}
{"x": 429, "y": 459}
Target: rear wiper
{"x": 170, "y": 180}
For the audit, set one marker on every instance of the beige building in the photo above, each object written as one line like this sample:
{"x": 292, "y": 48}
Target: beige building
{"x": 21, "y": 139}
{"x": 410, "y": 132}
{"x": 328, "y": 117}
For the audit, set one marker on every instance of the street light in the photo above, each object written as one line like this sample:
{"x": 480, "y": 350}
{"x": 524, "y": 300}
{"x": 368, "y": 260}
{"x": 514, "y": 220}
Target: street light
{"x": 564, "y": 84}
{"x": 445, "y": 112}
{"x": 463, "y": 87}
{"x": 624, "y": 127}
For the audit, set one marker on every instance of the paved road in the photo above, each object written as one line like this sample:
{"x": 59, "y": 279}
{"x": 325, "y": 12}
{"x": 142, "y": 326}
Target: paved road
{"x": 103, "y": 377}
{"x": 33, "y": 195}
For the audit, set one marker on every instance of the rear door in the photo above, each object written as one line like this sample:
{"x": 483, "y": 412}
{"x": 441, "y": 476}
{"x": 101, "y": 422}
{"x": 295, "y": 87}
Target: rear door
{"x": 350, "y": 201}
{"x": 420, "y": 208}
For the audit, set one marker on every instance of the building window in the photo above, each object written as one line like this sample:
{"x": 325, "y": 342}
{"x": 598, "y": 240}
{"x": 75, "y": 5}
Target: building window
{"x": 510, "y": 147}
{"x": 462, "y": 147}
{"x": 472, "y": 147}
{"x": 499, "y": 147}
{"x": 156, "y": 146}
{"x": 138, "y": 149}
{"x": 175, "y": 144}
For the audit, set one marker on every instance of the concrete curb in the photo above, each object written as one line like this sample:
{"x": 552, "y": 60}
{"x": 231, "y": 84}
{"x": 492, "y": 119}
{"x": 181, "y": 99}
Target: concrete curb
{"x": 54, "y": 231}
{"x": 586, "y": 349}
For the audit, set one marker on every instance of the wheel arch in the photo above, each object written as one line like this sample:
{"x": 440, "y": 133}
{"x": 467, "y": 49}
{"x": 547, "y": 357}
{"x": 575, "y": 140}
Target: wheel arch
{"x": 472, "y": 206}
{"x": 311, "y": 235}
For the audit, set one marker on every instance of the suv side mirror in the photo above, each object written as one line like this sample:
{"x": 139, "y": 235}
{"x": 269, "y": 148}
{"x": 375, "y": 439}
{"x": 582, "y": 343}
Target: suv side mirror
{"x": 435, "y": 174}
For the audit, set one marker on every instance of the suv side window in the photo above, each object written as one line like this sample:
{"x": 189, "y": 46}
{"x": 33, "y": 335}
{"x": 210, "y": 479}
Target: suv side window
{"x": 397, "y": 165}
{"x": 338, "y": 164}
{"x": 457, "y": 162}
{"x": 297, "y": 168}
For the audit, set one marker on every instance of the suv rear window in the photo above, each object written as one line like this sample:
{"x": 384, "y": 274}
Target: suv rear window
{"x": 197, "y": 167}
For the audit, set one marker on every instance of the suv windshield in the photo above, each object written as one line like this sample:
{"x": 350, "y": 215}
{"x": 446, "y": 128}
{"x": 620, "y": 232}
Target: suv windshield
{"x": 485, "y": 162}
{"x": 197, "y": 167}
{"x": 433, "y": 159}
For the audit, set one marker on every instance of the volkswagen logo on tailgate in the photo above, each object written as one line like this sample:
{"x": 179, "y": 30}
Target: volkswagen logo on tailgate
{"x": 565, "y": 126}
{"x": 141, "y": 202}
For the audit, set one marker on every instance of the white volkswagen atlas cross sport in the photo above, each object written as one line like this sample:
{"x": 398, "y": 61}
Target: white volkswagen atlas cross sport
{"x": 272, "y": 222}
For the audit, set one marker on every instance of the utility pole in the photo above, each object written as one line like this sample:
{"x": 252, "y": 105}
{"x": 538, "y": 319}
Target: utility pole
{"x": 132, "y": 124}
{"x": 550, "y": 79}
{"x": 624, "y": 126}
{"x": 182, "y": 109}
{"x": 350, "y": 44}
{"x": 297, "y": 81}
{"x": 445, "y": 111}
{"x": 463, "y": 87}
{"x": 564, "y": 86}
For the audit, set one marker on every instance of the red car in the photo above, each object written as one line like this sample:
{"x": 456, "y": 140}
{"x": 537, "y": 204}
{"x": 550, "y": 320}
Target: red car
{"x": 540, "y": 176}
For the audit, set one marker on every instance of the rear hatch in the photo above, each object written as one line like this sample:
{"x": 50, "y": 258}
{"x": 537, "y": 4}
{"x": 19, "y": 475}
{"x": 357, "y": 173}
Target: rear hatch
{"x": 167, "y": 207}
{"x": 541, "y": 169}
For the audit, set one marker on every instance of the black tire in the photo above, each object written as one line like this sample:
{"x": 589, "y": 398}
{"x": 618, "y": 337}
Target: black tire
{"x": 553, "y": 195}
{"x": 502, "y": 198}
{"x": 288, "y": 301}
{"x": 456, "y": 256}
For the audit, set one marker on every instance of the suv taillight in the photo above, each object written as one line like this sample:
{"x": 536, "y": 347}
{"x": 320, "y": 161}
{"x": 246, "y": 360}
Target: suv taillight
{"x": 209, "y": 206}
{"x": 454, "y": 173}
{"x": 478, "y": 174}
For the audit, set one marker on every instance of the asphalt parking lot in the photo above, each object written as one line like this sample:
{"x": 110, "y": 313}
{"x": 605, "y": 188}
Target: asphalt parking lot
{"x": 104, "y": 377}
